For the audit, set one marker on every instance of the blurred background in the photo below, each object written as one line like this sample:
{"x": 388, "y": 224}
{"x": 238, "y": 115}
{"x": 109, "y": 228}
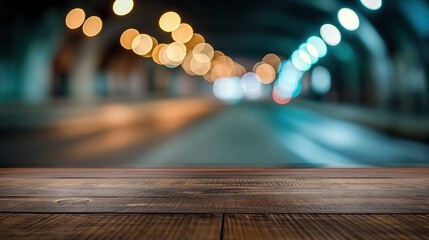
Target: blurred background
{"x": 167, "y": 83}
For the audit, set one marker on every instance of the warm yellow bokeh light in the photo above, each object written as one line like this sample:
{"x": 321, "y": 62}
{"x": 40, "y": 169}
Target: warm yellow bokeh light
{"x": 92, "y": 26}
{"x": 123, "y": 7}
{"x": 127, "y": 38}
{"x": 272, "y": 59}
{"x": 216, "y": 71}
{"x": 195, "y": 40}
{"x": 208, "y": 77}
{"x": 238, "y": 70}
{"x": 198, "y": 67}
{"x": 201, "y": 50}
{"x": 156, "y": 53}
{"x": 186, "y": 64}
{"x": 142, "y": 44}
{"x": 154, "y": 44}
{"x": 217, "y": 54}
{"x": 222, "y": 66}
{"x": 169, "y": 21}
{"x": 170, "y": 53}
{"x": 256, "y": 66}
{"x": 75, "y": 18}
{"x": 162, "y": 55}
{"x": 183, "y": 33}
{"x": 266, "y": 72}
{"x": 176, "y": 52}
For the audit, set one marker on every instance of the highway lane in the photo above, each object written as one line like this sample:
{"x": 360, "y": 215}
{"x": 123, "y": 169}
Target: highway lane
{"x": 243, "y": 135}
{"x": 283, "y": 136}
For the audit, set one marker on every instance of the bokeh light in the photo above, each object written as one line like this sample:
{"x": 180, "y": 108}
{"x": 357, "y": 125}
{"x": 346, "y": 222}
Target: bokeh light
{"x": 156, "y": 53}
{"x": 169, "y": 21}
{"x": 320, "y": 80}
{"x": 279, "y": 99}
{"x": 288, "y": 84}
{"x": 304, "y": 56}
{"x": 272, "y": 59}
{"x": 311, "y": 52}
{"x": 75, "y": 18}
{"x": 372, "y": 4}
{"x": 183, "y": 33}
{"x": 195, "y": 40}
{"x": 330, "y": 34}
{"x": 142, "y": 44}
{"x": 222, "y": 66}
{"x": 228, "y": 89}
{"x": 301, "y": 60}
{"x": 162, "y": 55}
{"x": 200, "y": 66}
{"x": 186, "y": 64}
{"x": 348, "y": 19}
{"x": 92, "y": 26}
{"x": 127, "y": 38}
{"x": 154, "y": 44}
{"x": 217, "y": 54}
{"x": 265, "y": 72}
{"x": 201, "y": 50}
{"x": 238, "y": 70}
{"x": 175, "y": 53}
{"x": 123, "y": 7}
{"x": 251, "y": 85}
{"x": 319, "y": 44}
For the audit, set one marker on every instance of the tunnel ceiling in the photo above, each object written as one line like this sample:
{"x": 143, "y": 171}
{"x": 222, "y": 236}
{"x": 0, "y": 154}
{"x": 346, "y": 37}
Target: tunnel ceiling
{"x": 390, "y": 46}
{"x": 243, "y": 28}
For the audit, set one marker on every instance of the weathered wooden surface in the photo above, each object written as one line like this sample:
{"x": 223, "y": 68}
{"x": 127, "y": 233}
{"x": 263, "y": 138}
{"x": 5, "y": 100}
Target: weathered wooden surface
{"x": 209, "y": 226}
{"x": 214, "y": 203}
{"x": 110, "y": 226}
{"x": 215, "y": 191}
{"x": 325, "y": 226}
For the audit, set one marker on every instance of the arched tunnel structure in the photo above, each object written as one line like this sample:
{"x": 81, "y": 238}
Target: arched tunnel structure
{"x": 383, "y": 64}
{"x": 377, "y": 74}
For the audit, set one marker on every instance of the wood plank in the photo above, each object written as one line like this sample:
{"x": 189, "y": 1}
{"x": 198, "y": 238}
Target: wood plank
{"x": 325, "y": 226}
{"x": 214, "y": 191}
{"x": 207, "y": 187}
{"x": 213, "y": 172}
{"x": 235, "y": 204}
{"x": 109, "y": 226}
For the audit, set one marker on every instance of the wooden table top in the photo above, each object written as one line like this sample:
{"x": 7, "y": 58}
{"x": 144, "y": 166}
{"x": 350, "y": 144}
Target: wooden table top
{"x": 214, "y": 203}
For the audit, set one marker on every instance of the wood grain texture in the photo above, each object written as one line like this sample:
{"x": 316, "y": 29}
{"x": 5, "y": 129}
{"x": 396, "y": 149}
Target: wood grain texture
{"x": 139, "y": 172}
{"x": 109, "y": 226}
{"x": 215, "y": 191}
{"x": 214, "y": 203}
{"x": 325, "y": 226}
{"x": 209, "y": 226}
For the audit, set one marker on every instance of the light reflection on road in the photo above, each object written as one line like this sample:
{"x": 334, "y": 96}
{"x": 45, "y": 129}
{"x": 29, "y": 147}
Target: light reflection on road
{"x": 291, "y": 136}
{"x": 244, "y": 135}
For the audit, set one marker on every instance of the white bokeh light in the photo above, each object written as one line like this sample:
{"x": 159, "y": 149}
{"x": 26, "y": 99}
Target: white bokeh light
{"x": 228, "y": 89}
{"x": 319, "y": 44}
{"x": 123, "y": 7}
{"x": 301, "y": 60}
{"x": 330, "y": 34}
{"x": 372, "y": 4}
{"x": 252, "y": 85}
{"x": 312, "y": 50}
{"x": 348, "y": 19}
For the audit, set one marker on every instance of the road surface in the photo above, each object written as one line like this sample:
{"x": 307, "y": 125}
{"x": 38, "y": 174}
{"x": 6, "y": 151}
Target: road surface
{"x": 244, "y": 135}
